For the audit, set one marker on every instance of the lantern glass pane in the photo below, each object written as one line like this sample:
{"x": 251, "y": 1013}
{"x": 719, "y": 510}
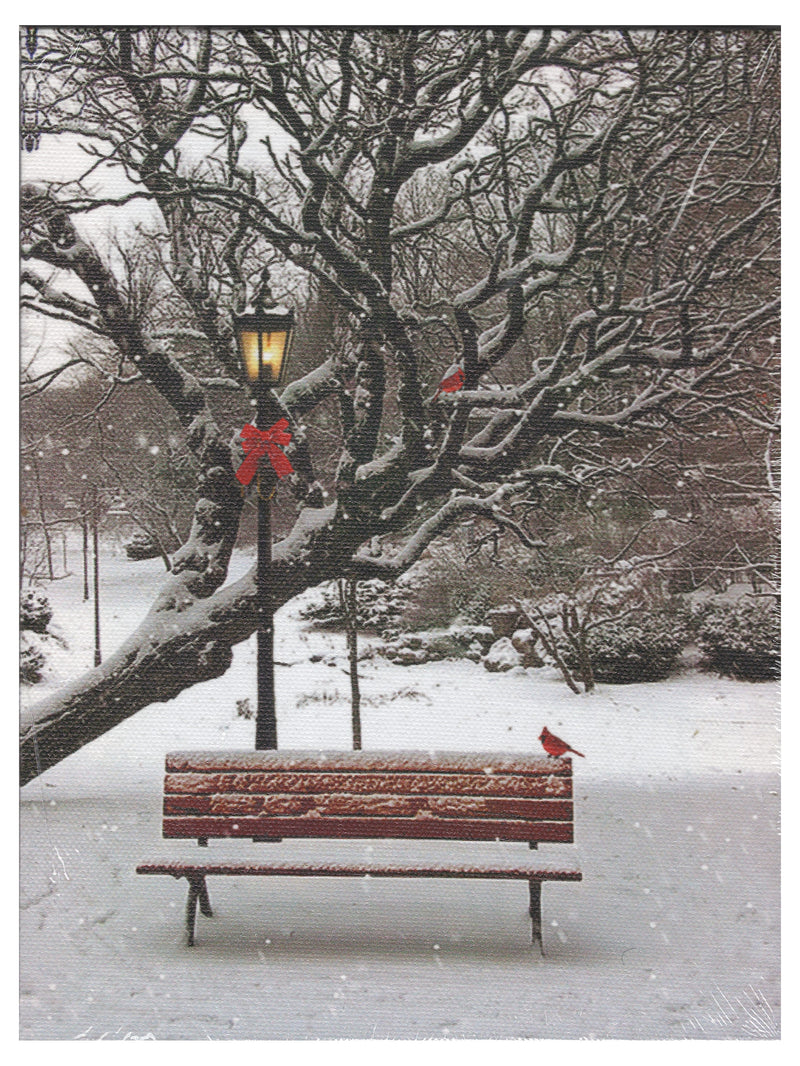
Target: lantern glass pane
{"x": 249, "y": 341}
{"x": 272, "y": 348}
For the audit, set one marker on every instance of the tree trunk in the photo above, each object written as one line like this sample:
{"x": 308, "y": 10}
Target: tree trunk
{"x": 348, "y": 595}
{"x": 22, "y": 556}
{"x": 85, "y": 530}
{"x": 95, "y": 547}
{"x": 42, "y": 516}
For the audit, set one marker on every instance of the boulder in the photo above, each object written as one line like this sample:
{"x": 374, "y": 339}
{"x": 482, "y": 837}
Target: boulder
{"x": 467, "y": 635}
{"x": 503, "y": 620}
{"x": 502, "y": 656}
{"x": 474, "y": 652}
{"x": 525, "y": 641}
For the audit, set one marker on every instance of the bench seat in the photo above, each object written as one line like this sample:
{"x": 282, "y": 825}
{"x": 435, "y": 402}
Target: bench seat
{"x": 497, "y": 872}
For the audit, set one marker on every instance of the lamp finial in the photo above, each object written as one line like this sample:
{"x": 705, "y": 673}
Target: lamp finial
{"x": 263, "y": 294}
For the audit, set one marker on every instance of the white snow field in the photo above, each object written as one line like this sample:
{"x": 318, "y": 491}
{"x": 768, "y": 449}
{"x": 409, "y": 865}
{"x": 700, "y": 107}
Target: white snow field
{"x": 673, "y": 933}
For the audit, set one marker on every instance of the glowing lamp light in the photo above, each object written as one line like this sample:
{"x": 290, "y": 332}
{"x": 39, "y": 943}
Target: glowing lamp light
{"x": 265, "y": 339}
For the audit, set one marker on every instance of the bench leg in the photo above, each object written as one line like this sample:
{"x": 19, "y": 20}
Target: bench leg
{"x": 205, "y": 905}
{"x": 198, "y": 893}
{"x": 536, "y": 913}
{"x": 191, "y": 909}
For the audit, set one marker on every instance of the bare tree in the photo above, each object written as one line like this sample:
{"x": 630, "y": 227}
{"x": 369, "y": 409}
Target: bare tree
{"x": 584, "y": 221}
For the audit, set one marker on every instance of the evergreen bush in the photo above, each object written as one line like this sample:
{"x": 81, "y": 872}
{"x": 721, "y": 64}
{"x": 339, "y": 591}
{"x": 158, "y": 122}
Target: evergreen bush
{"x": 742, "y": 639}
{"x": 35, "y": 612}
{"x": 379, "y": 607}
{"x": 31, "y": 662}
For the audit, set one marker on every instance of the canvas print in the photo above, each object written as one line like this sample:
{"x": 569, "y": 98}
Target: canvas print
{"x": 399, "y": 574}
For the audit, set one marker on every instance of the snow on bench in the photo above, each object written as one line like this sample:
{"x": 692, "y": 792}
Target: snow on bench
{"x": 272, "y": 795}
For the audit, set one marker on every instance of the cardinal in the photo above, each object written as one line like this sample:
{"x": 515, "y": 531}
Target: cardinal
{"x": 554, "y": 745}
{"x": 452, "y": 383}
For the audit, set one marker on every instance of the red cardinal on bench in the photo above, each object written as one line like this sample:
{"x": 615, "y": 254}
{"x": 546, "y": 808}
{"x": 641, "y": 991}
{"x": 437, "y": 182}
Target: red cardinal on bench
{"x": 554, "y": 745}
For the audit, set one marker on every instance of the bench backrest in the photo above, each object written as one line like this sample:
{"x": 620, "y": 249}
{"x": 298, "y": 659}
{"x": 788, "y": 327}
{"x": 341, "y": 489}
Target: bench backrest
{"x": 445, "y": 796}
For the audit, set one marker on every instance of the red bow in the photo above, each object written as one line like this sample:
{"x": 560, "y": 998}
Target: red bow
{"x": 451, "y": 384}
{"x": 260, "y": 442}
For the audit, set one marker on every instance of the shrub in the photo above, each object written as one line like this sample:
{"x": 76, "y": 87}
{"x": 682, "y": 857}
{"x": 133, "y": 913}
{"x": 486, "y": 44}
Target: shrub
{"x": 35, "y": 612}
{"x": 742, "y": 639}
{"x": 378, "y": 607}
{"x": 142, "y": 546}
{"x": 244, "y": 709}
{"x": 31, "y": 662}
{"x": 640, "y": 647}
{"x": 450, "y": 591}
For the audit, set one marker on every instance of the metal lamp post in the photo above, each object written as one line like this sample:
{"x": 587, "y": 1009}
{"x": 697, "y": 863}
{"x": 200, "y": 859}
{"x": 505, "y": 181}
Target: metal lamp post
{"x": 265, "y": 337}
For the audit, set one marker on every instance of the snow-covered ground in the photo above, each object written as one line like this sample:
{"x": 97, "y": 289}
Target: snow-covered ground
{"x": 673, "y": 933}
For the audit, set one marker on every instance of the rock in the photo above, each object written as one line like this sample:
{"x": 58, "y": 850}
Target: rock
{"x": 467, "y": 635}
{"x": 525, "y": 641}
{"x": 474, "y": 652}
{"x": 409, "y": 656}
{"x": 426, "y": 647}
{"x": 503, "y": 620}
{"x": 501, "y": 656}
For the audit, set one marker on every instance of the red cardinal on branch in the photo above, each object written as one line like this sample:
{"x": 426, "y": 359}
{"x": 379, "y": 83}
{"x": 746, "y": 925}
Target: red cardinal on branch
{"x": 452, "y": 383}
{"x": 554, "y": 745}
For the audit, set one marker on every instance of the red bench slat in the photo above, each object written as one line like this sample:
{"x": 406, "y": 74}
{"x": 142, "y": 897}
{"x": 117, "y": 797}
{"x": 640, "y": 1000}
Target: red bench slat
{"x": 370, "y": 783}
{"x": 365, "y": 761}
{"x": 430, "y": 828}
{"x": 368, "y": 806}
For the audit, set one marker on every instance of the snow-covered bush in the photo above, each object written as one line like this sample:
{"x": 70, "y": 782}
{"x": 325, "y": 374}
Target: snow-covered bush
{"x": 379, "y": 606}
{"x": 35, "y": 612}
{"x": 141, "y": 546}
{"x": 639, "y": 647}
{"x": 37, "y": 641}
{"x": 31, "y": 660}
{"x": 742, "y": 639}
{"x": 457, "y": 642}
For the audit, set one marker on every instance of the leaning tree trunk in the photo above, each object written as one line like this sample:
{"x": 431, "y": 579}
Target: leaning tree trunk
{"x": 180, "y": 643}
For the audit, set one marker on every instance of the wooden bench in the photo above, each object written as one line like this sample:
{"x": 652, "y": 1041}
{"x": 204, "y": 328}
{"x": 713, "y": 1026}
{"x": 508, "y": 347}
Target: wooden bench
{"x": 271, "y": 795}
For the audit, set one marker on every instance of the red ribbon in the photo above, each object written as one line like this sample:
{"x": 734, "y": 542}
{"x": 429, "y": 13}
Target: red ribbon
{"x": 451, "y": 384}
{"x": 261, "y": 442}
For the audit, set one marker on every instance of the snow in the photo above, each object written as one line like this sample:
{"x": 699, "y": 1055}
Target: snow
{"x": 673, "y": 933}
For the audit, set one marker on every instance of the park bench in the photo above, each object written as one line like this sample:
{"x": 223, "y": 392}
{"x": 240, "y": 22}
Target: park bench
{"x": 273, "y": 795}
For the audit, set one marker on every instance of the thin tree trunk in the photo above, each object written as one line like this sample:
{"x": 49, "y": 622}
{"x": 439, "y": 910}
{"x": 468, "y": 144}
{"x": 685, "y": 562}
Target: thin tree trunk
{"x": 22, "y": 557}
{"x": 349, "y": 600}
{"x": 43, "y": 518}
{"x": 97, "y": 656}
{"x": 85, "y": 528}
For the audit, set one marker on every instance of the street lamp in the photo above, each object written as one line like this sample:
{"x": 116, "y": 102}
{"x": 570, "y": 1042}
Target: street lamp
{"x": 265, "y": 337}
